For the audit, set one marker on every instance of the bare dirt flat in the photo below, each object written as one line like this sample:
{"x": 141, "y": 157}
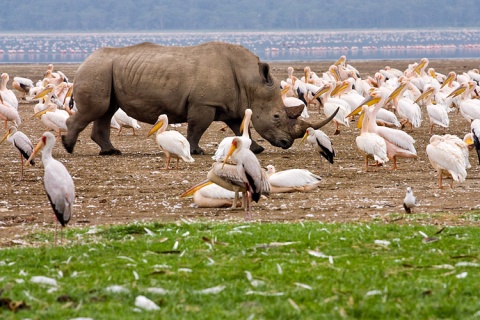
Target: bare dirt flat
{"x": 133, "y": 186}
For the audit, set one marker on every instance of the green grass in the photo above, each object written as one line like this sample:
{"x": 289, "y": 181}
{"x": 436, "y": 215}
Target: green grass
{"x": 298, "y": 271}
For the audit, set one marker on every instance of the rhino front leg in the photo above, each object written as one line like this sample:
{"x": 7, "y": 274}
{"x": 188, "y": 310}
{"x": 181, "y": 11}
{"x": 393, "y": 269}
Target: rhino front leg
{"x": 235, "y": 126}
{"x": 101, "y": 134}
{"x": 75, "y": 124}
{"x": 198, "y": 122}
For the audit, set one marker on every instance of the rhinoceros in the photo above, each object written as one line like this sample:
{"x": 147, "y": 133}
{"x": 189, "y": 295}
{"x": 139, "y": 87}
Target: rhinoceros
{"x": 214, "y": 81}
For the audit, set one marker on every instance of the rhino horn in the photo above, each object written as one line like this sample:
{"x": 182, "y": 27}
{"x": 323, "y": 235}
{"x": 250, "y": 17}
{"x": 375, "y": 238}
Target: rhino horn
{"x": 300, "y": 126}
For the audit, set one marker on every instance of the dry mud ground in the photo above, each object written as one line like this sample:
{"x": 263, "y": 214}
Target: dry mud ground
{"x": 133, "y": 186}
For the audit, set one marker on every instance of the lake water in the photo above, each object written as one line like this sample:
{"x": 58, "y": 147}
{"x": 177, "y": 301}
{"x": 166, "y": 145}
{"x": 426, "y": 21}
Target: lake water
{"x": 269, "y": 46}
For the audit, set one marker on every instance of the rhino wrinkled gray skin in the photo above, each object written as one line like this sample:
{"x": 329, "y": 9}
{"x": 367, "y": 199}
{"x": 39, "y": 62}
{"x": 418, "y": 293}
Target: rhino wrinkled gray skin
{"x": 213, "y": 81}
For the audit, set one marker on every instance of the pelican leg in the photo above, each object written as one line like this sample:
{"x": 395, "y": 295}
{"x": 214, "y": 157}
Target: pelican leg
{"x": 366, "y": 163}
{"x": 440, "y": 181}
{"x": 176, "y": 167}
{"x": 431, "y": 128}
{"x": 337, "y": 130}
{"x": 168, "y": 162}
{"x": 119, "y": 130}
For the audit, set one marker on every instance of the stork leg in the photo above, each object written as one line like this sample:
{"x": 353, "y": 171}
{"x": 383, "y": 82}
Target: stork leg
{"x": 248, "y": 212}
{"x": 21, "y": 167}
{"x": 55, "y": 238}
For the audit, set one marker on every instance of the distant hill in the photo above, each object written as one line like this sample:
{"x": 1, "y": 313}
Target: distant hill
{"x": 158, "y": 15}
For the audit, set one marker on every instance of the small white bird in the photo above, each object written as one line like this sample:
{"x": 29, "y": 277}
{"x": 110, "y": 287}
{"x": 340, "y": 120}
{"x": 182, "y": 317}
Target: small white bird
{"x": 173, "y": 143}
{"x": 124, "y": 120}
{"x": 409, "y": 201}
{"x": 57, "y": 181}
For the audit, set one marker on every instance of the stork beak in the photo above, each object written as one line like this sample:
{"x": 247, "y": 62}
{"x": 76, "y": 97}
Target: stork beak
{"x": 38, "y": 147}
{"x": 43, "y": 93}
{"x": 230, "y": 151}
{"x": 424, "y": 95}
{"x": 5, "y": 136}
{"x": 155, "y": 128}
{"x": 457, "y": 91}
{"x": 449, "y": 79}
{"x": 305, "y": 136}
{"x": 192, "y": 190}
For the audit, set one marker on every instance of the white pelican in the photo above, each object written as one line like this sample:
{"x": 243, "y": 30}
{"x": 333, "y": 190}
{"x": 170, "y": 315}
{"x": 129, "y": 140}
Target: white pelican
{"x": 54, "y": 119}
{"x": 447, "y": 158}
{"x": 23, "y": 144}
{"x": 292, "y": 103}
{"x": 23, "y": 85}
{"x": 409, "y": 201}
{"x": 173, "y": 143}
{"x": 57, "y": 182}
{"x": 408, "y": 110}
{"x": 9, "y": 113}
{"x": 126, "y": 121}
{"x": 330, "y": 105}
{"x": 251, "y": 173}
{"x": 292, "y": 180}
{"x": 469, "y": 108}
{"x": 225, "y": 144}
{"x": 320, "y": 142}
{"x": 436, "y": 113}
{"x": 369, "y": 143}
{"x": 7, "y": 94}
{"x": 214, "y": 196}
{"x": 399, "y": 143}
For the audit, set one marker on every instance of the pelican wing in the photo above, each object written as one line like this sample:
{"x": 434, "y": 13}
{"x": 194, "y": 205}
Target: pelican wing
{"x": 293, "y": 178}
{"x": 398, "y": 137}
{"x": 175, "y": 143}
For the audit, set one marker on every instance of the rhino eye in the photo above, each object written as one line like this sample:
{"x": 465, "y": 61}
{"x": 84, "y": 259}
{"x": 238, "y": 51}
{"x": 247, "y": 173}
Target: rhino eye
{"x": 276, "y": 116}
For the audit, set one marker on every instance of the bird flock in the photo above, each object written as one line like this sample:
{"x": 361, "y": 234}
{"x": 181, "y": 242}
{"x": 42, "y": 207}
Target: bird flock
{"x": 385, "y": 108}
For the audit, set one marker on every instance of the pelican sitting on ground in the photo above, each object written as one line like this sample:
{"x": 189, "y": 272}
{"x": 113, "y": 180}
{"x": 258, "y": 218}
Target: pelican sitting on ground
{"x": 292, "y": 180}
{"x": 225, "y": 144}
{"x": 447, "y": 156}
{"x": 124, "y": 120}
{"x": 370, "y": 143}
{"x": 57, "y": 182}
{"x": 251, "y": 173}
{"x": 20, "y": 141}
{"x": 322, "y": 143}
{"x": 173, "y": 143}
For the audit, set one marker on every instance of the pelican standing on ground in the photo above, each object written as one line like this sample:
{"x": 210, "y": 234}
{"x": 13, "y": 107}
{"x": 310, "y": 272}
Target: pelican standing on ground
{"x": 23, "y": 85}
{"x": 369, "y": 143}
{"x": 251, "y": 173}
{"x": 20, "y": 141}
{"x": 57, "y": 182}
{"x": 173, "y": 143}
{"x": 447, "y": 158}
{"x": 322, "y": 143}
{"x": 9, "y": 113}
{"x": 292, "y": 180}
{"x": 7, "y": 94}
{"x": 225, "y": 144}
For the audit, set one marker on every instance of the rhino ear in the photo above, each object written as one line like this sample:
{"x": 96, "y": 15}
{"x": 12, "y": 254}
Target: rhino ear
{"x": 264, "y": 70}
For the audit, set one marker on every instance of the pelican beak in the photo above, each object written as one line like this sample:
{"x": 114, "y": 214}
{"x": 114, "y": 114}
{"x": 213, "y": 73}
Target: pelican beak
{"x": 424, "y": 95}
{"x": 360, "y": 119}
{"x": 457, "y": 91}
{"x": 230, "y": 151}
{"x": 192, "y": 190}
{"x": 155, "y": 128}
{"x": 69, "y": 92}
{"x": 449, "y": 79}
{"x": 38, "y": 147}
{"x": 320, "y": 92}
{"x": 369, "y": 101}
{"x": 5, "y": 136}
{"x": 285, "y": 90}
{"x": 334, "y": 72}
{"x": 307, "y": 74}
{"x": 43, "y": 93}
{"x": 41, "y": 113}
{"x": 339, "y": 88}
{"x": 395, "y": 93}
{"x": 420, "y": 66}
{"x": 340, "y": 61}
